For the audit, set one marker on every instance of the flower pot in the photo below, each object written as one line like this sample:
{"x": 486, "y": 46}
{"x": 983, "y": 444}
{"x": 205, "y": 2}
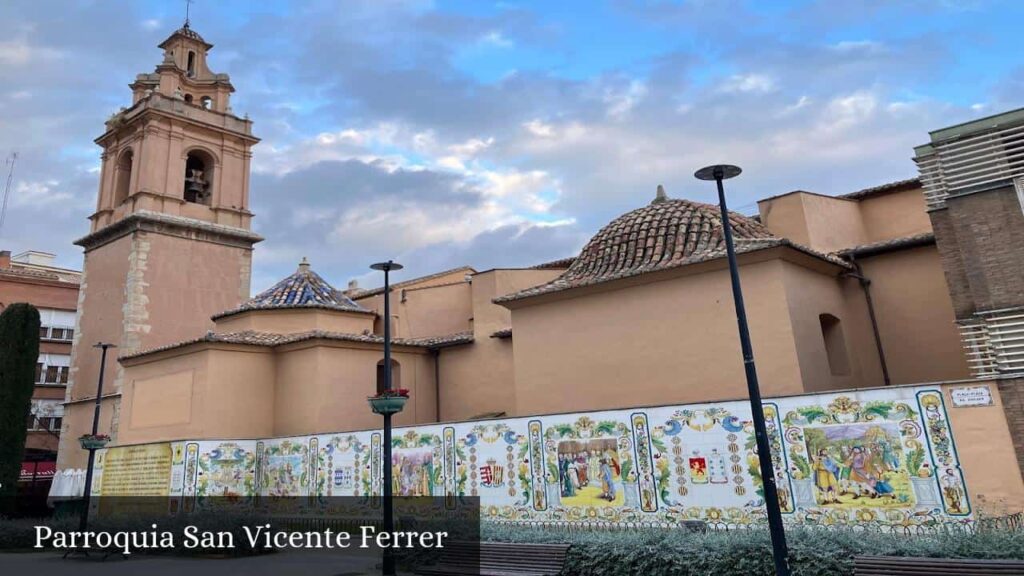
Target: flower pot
{"x": 92, "y": 443}
{"x": 387, "y": 404}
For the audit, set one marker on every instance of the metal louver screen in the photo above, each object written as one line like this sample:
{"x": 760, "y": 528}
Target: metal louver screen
{"x": 971, "y": 162}
{"x": 994, "y": 343}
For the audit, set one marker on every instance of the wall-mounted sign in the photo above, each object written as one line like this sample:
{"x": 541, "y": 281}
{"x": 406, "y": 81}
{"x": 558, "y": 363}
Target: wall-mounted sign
{"x": 971, "y": 396}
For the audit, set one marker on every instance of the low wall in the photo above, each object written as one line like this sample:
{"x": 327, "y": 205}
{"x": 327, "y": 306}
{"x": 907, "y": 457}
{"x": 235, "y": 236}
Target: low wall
{"x": 879, "y": 458}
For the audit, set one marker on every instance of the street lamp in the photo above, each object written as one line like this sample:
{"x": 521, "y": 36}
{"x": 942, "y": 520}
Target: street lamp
{"x": 718, "y": 173}
{"x": 92, "y": 447}
{"x": 388, "y": 564}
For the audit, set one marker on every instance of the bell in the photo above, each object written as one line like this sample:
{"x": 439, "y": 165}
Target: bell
{"x": 196, "y": 187}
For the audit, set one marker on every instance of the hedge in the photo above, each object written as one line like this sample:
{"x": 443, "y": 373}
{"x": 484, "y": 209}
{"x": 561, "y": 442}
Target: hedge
{"x": 813, "y": 552}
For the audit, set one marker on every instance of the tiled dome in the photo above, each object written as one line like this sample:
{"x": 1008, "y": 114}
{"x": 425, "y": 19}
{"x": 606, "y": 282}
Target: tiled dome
{"x": 667, "y": 233}
{"x": 303, "y": 289}
{"x": 659, "y": 235}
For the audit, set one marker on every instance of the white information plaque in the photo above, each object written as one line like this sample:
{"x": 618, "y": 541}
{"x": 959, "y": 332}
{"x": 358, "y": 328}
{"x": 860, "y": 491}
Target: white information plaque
{"x": 971, "y": 396}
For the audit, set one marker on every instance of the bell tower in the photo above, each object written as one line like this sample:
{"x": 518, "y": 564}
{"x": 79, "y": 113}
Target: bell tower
{"x": 170, "y": 242}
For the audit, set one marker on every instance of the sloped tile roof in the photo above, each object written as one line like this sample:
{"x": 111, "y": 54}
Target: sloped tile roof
{"x": 303, "y": 289}
{"x": 923, "y": 239}
{"x": 883, "y": 189}
{"x": 555, "y": 264}
{"x": 272, "y": 340}
{"x": 189, "y": 33}
{"x": 503, "y": 333}
{"x": 665, "y": 234}
{"x": 357, "y": 294}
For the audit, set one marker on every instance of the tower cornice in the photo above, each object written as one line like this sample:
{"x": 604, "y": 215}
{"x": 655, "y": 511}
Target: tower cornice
{"x": 179, "y": 226}
{"x": 179, "y": 110}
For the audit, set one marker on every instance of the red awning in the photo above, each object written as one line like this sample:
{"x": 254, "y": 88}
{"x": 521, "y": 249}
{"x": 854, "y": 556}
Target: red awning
{"x": 41, "y": 471}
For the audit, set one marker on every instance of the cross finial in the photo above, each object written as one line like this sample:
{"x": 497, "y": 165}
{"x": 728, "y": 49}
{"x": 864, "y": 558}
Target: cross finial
{"x": 188, "y": 6}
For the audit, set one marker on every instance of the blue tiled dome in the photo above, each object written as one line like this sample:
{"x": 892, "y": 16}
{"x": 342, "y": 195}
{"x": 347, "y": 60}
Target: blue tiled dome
{"x": 303, "y": 289}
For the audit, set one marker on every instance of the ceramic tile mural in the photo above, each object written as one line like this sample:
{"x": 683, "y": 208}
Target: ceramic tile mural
{"x": 877, "y": 458}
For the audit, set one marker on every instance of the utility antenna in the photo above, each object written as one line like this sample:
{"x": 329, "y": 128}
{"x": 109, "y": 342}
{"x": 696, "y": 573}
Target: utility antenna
{"x": 188, "y": 5}
{"x": 7, "y": 187}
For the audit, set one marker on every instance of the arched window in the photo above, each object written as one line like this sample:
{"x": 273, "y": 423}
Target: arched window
{"x": 206, "y": 102}
{"x": 835, "y": 344}
{"x": 123, "y": 177}
{"x": 191, "y": 68}
{"x": 188, "y": 98}
{"x": 198, "y": 177}
{"x": 396, "y": 375}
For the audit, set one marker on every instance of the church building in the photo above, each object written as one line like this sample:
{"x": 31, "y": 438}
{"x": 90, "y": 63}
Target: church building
{"x": 842, "y": 293}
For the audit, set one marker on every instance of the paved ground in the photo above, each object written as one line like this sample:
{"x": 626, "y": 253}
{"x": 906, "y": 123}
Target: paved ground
{"x": 300, "y": 563}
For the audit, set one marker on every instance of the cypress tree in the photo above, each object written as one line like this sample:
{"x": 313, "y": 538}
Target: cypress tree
{"x": 19, "y": 352}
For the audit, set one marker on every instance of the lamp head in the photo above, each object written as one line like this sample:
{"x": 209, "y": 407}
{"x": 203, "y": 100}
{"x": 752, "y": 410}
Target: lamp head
{"x": 386, "y": 266}
{"x": 717, "y": 172}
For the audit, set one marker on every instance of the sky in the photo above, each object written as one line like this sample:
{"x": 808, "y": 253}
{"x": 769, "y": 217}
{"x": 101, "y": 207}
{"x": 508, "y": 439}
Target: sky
{"x": 501, "y": 134}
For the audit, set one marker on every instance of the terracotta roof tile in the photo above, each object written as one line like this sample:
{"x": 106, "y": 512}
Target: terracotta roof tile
{"x": 503, "y": 333}
{"x": 665, "y": 234}
{"x": 34, "y": 274}
{"x": 357, "y": 294}
{"x": 555, "y": 264}
{"x": 272, "y": 340}
{"x": 923, "y": 239}
{"x": 883, "y": 189}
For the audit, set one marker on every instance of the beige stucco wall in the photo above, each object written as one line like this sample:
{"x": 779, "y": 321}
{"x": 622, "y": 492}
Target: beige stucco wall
{"x": 810, "y": 293}
{"x": 224, "y": 392}
{"x": 479, "y": 378}
{"x": 821, "y": 222}
{"x": 829, "y": 224}
{"x": 915, "y": 316}
{"x": 291, "y": 321}
{"x": 986, "y": 453}
{"x": 894, "y": 215}
{"x": 667, "y": 341}
{"x": 432, "y": 307}
{"x": 323, "y": 388}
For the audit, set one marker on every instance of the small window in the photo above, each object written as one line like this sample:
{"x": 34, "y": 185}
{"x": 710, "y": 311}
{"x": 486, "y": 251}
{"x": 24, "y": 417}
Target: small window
{"x": 55, "y": 424}
{"x": 30, "y": 422}
{"x": 191, "y": 64}
{"x": 52, "y": 374}
{"x": 396, "y": 376}
{"x": 44, "y": 332}
{"x": 206, "y": 102}
{"x": 188, "y": 98}
{"x": 64, "y": 371}
{"x": 835, "y": 345}
{"x": 39, "y": 372}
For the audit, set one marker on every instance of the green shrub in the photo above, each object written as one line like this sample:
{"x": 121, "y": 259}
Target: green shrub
{"x": 813, "y": 552}
{"x": 19, "y": 351}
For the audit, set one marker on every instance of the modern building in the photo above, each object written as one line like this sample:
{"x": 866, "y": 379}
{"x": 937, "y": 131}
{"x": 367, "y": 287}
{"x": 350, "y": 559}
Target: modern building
{"x": 973, "y": 174}
{"x": 31, "y": 277}
{"x": 842, "y": 293}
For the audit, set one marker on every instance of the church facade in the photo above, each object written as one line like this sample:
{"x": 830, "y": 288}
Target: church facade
{"x": 842, "y": 293}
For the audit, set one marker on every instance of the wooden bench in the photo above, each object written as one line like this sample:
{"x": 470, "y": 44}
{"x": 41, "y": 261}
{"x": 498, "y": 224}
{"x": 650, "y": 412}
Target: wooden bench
{"x": 499, "y": 559}
{"x": 902, "y": 565}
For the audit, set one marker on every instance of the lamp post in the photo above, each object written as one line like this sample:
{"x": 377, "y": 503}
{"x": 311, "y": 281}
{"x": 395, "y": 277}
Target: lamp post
{"x": 95, "y": 429}
{"x": 388, "y": 563}
{"x": 771, "y": 500}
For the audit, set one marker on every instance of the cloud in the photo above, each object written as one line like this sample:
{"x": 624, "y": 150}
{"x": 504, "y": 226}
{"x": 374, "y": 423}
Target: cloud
{"x": 379, "y": 140}
{"x": 749, "y": 83}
